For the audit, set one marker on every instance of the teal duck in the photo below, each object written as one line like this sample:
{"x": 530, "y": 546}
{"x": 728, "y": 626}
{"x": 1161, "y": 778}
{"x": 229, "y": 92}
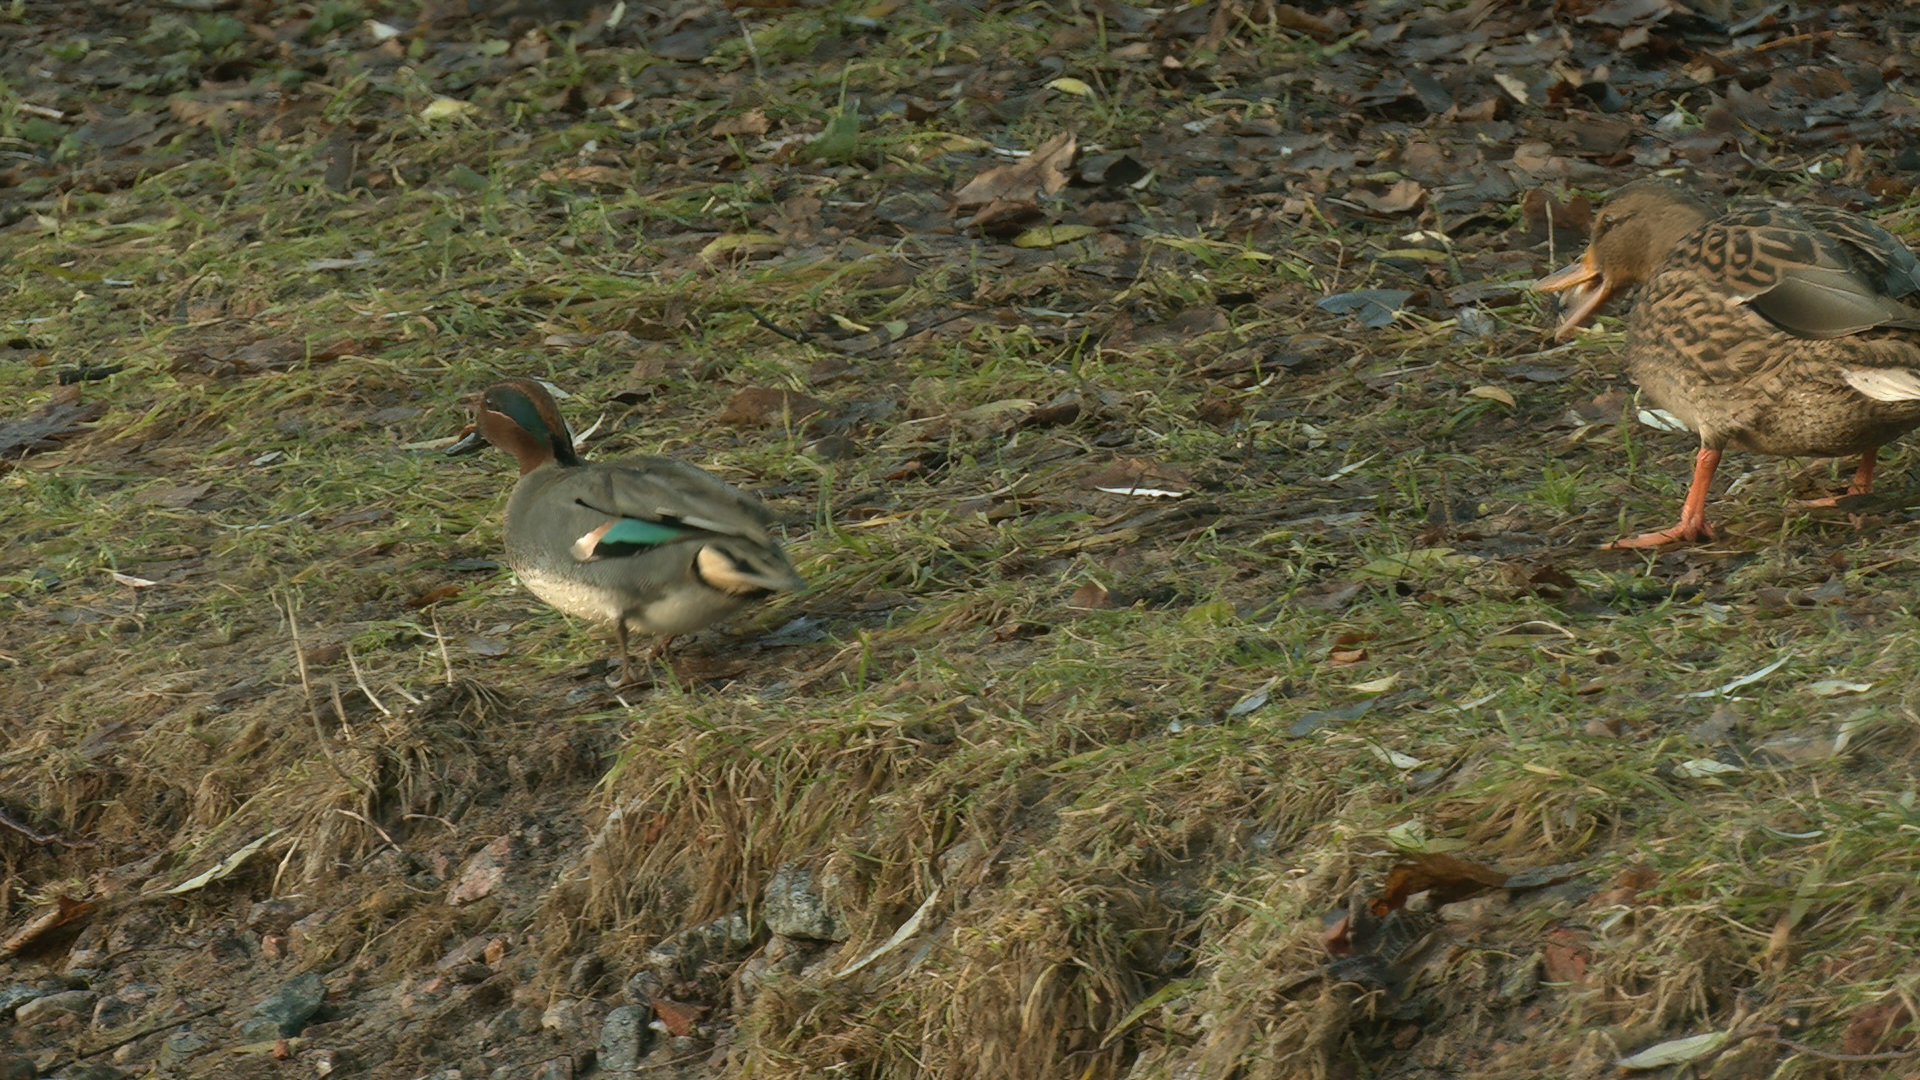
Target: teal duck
{"x": 648, "y": 544}
{"x": 1779, "y": 331}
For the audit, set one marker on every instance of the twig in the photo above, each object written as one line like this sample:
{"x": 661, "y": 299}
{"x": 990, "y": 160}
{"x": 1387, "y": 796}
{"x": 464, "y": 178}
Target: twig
{"x": 116, "y": 1044}
{"x": 440, "y": 637}
{"x": 38, "y": 837}
{"x": 791, "y": 335}
{"x": 313, "y": 711}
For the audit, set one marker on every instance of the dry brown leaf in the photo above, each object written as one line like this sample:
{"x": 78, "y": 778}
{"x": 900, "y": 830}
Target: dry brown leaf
{"x": 50, "y": 425}
{"x": 36, "y": 935}
{"x": 1884, "y": 1026}
{"x": 751, "y": 122}
{"x": 1143, "y": 475}
{"x": 434, "y": 596}
{"x": 1564, "y": 956}
{"x": 1041, "y": 173}
{"x": 1091, "y": 596}
{"x": 1446, "y": 878}
{"x": 1403, "y": 196}
{"x": 678, "y": 1017}
{"x": 483, "y": 872}
{"x": 761, "y": 406}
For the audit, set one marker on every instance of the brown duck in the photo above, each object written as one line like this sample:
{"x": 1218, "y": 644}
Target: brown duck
{"x": 1779, "y": 331}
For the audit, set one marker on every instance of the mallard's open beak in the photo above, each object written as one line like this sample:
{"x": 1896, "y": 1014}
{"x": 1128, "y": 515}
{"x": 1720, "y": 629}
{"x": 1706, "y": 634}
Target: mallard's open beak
{"x": 1589, "y": 291}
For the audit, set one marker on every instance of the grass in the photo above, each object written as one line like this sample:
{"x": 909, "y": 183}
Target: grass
{"x": 1115, "y": 872}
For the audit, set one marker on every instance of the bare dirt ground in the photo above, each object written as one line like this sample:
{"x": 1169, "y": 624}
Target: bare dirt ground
{"x": 1210, "y": 668}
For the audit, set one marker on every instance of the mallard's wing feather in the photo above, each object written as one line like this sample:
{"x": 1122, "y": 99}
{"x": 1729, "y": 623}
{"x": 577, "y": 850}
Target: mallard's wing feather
{"x": 1884, "y": 384}
{"x": 1815, "y": 273}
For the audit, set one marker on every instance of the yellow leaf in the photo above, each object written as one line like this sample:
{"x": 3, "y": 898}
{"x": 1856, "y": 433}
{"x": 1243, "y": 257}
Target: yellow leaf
{"x": 1415, "y": 563}
{"x": 1492, "y": 393}
{"x": 1416, "y": 255}
{"x": 848, "y": 324}
{"x": 1071, "y": 86}
{"x": 445, "y": 108}
{"x": 1048, "y": 235}
{"x": 740, "y": 244}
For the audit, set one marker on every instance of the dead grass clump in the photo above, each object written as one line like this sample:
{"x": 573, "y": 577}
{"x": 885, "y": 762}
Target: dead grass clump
{"x": 1035, "y": 979}
{"x": 710, "y": 796}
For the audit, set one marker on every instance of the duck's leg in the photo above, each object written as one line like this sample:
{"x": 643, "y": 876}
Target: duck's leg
{"x": 629, "y": 672}
{"x": 1693, "y": 512}
{"x": 1863, "y": 476}
{"x": 1861, "y": 484}
{"x": 626, "y": 656}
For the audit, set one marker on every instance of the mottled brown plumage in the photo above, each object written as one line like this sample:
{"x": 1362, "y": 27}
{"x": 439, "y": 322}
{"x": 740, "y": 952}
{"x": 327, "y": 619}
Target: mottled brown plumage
{"x": 1775, "y": 330}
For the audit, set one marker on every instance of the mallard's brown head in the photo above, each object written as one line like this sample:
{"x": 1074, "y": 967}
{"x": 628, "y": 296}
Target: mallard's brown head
{"x": 1632, "y": 235}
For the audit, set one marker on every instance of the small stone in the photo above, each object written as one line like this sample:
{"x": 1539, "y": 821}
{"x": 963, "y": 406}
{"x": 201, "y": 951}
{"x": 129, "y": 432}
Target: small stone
{"x": 179, "y": 1047}
{"x": 323, "y": 1062}
{"x": 272, "y": 916}
{"x": 294, "y": 1003}
{"x": 483, "y": 871}
{"x": 622, "y": 1038}
{"x": 302, "y": 935}
{"x": 585, "y": 974}
{"x": 56, "y": 1007}
{"x": 467, "y": 952}
{"x": 14, "y": 995}
{"x": 123, "y": 1005}
{"x": 795, "y": 907}
{"x": 692, "y": 959}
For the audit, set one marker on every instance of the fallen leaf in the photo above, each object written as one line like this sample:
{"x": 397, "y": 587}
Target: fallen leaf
{"x": 64, "y": 911}
{"x": 1403, "y": 196}
{"x": 1090, "y": 596}
{"x": 445, "y": 108}
{"x": 49, "y": 426}
{"x": 1254, "y": 700}
{"x": 1675, "y": 1051}
{"x": 1140, "y": 476}
{"x": 742, "y": 246}
{"x": 434, "y": 596}
{"x": 1373, "y": 307}
{"x": 1041, "y": 173}
{"x": 1744, "y": 680}
{"x": 752, "y": 122}
{"x": 760, "y": 406}
{"x": 1051, "y": 235}
{"x": 1704, "y": 769}
{"x": 1446, "y": 878}
{"x": 677, "y": 1017}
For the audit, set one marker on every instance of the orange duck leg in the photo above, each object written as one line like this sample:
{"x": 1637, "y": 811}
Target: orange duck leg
{"x": 1693, "y": 512}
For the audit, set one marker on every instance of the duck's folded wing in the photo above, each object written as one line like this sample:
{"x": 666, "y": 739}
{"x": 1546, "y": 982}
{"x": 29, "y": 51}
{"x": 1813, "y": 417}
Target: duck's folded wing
{"x": 658, "y": 501}
{"x": 1816, "y": 273}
